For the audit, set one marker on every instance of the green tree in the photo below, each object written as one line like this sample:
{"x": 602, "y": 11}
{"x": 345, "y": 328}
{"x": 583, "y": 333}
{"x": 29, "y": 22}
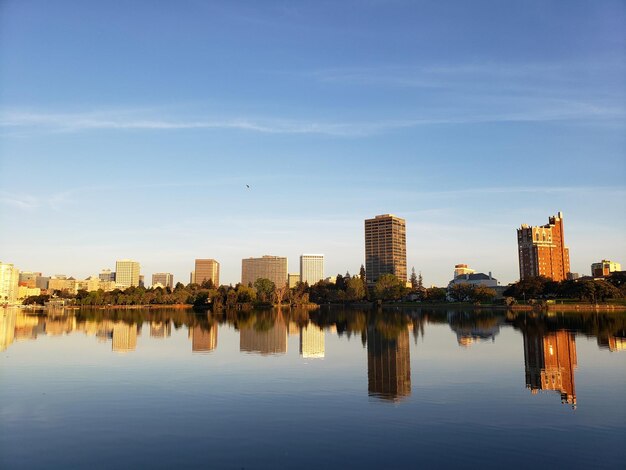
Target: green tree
{"x": 436, "y": 294}
{"x": 264, "y": 289}
{"x": 413, "y": 279}
{"x": 355, "y": 289}
{"x": 483, "y": 294}
{"x": 362, "y": 272}
{"x": 389, "y": 287}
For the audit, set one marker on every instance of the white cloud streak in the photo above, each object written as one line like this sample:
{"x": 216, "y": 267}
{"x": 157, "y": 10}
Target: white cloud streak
{"x": 41, "y": 121}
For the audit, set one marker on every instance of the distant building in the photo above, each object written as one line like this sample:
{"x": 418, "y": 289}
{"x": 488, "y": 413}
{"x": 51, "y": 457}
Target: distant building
{"x": 385, "y": 247}
{"x": 107, "y": 275}
{"x": 207, "y": 270}
{"x": 273, "y": 268}
{"x": 462, "y": 269}
{"x": 604, "y": 268}
{"x": 463, "y": 274}
{"x": 29, "y": 279}
{"x": 542, "y": 250}
{"x": 293, "y": 280}
{"x": 311, "y": 268}
{"x": 165, "y": 279}
{"x": 62, "y": 283}
{"x": 9, "y": 283}
{"x": 42, "y": 282}
{"x": 127, "y": 273}
{"x": 142, "y": 280}
{"x": 312, "y": 342}
{"x": 23, "y": 292}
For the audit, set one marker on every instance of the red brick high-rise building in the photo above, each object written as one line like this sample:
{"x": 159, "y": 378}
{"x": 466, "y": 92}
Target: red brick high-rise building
{"x": 542, "y": 250}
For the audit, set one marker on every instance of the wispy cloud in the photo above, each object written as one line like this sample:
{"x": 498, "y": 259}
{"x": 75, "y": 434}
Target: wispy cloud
{"x": 41, "y": 121}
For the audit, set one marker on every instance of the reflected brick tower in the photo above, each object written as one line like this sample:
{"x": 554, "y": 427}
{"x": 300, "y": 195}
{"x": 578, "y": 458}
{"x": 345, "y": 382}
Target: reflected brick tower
{"x": 388, "y": 365}
{"x": 542, "y": 250}
{"x": 550, "y": 360}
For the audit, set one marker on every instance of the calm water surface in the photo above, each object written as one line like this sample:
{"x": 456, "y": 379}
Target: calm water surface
{"x": 329, "y": 389}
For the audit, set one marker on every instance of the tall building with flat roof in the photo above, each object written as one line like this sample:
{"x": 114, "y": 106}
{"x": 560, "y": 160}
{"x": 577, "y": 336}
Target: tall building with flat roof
{"x": 311, "y": 268}
{"x": 605, "y": 268}
{"x": 385, "y": 247}
{"x": 9, "y": 283}
{"x": 207, "y": 270}
{"x": 269, "y": 267}
{"x": 542, "y": 250}
{"x": 165, "y": 279}
{"x": 127, "y": 273}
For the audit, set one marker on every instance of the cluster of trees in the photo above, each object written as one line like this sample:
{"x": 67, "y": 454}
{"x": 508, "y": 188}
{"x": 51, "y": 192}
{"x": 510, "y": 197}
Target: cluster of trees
{"x": 470, "y": 293}
{"x": 587, "y": 290}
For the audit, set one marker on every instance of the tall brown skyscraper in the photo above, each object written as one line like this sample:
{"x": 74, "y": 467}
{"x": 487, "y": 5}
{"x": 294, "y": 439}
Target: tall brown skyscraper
{"x": 542, "y": 250}
{"x": 273, "y": 268}
{"x": 207, "y": 269}
{"x": 385, "y": 247}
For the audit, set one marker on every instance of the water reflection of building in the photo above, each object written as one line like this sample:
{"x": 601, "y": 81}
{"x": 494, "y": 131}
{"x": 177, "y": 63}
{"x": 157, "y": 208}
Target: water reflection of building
{"x": 124, "y": 337}
{"x": 160, "y": 329}
{"x": 312, "y": 341}
{"x": 7, "y": 327}
{"x": 203, "y": 340}
{"x": 470, "y": 330}
{"x": 550, "y": 360}
{"x": 613, "y": 343}
{"x": 267, "y": 341}
{"x": 388, "y": 365}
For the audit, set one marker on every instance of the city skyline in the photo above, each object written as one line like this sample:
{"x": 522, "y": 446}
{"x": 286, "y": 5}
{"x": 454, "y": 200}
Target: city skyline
{"x": 465, "y": 120}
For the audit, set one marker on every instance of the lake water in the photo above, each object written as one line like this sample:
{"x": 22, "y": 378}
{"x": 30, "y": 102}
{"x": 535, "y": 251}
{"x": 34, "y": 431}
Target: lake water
{"x": 336, "y": 388}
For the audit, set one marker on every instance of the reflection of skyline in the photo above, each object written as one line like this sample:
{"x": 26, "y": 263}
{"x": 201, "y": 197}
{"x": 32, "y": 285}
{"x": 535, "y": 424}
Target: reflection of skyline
{"x": 312, "y": 341}
{"x": 388, "y": 364}
{"x": 550, "y": 360}
{"x": 202, "y": 339}
{"x": 272, "y": 340}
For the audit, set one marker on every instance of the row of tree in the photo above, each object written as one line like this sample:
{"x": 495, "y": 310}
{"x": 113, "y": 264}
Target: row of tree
{"x": 586, "y": 290}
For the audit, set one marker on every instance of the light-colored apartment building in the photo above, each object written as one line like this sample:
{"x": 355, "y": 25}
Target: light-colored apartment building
{"x": 206, "y": 270}
{"x": 9, "y": 283}
{"x": 127, "y": 273}
{"x": 311, "y": 268}
{"x": 273, "y": 268}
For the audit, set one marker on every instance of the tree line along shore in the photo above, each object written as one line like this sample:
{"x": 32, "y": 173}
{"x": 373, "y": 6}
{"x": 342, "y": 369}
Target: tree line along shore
{"x": 528, "y": 293}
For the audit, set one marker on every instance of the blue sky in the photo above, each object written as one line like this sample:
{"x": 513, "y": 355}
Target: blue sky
{"x": 130, "y": 130}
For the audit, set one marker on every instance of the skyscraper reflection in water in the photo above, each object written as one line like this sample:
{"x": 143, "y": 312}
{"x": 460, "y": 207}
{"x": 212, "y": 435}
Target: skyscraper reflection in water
{"x": 312, "y": 342}
{"x": 550, "y": 359}
{"x": 388, "y": 365}
{"x": 202, "y": 339}
{"x": 263, "y": 338}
